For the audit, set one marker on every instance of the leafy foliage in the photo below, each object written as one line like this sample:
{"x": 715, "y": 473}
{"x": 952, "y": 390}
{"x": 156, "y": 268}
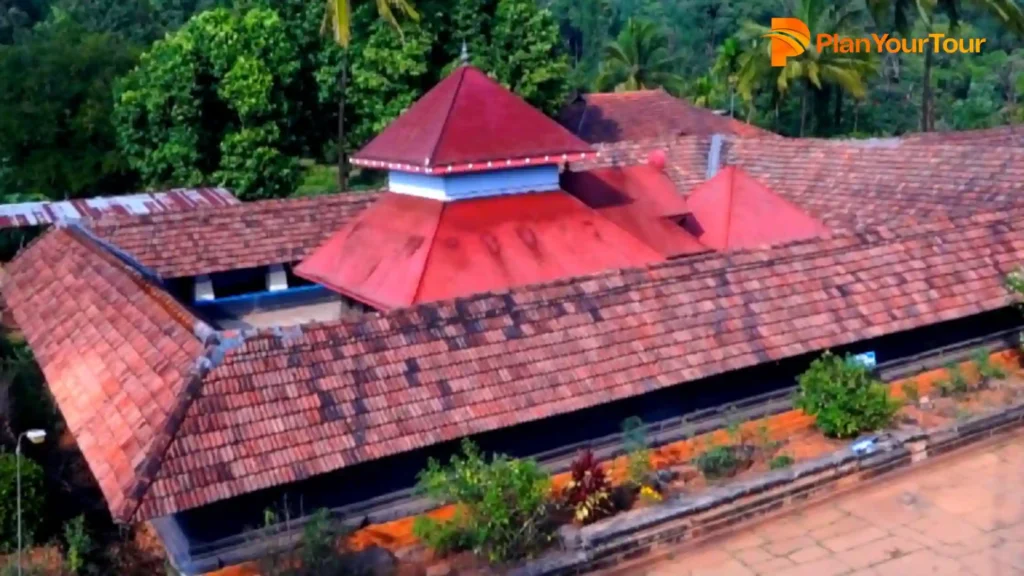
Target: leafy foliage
{"x": 986, "y": 369}
{"x": 588, "y": 490}
{"x": 781, "y": 461}
{"x": 843, "y": 397}
{"x": 717, "y": 462}
{"x": 55, "y": 104}
{"x": 639, "y": 59}
{"x": 209, "y": 104}
{"x": 32, "y": 499}
{"x": 955, "y": 383}
{"x": 78, "y": 546}
{"x": 638, "y": 456}
{"x": 504, "y": 503}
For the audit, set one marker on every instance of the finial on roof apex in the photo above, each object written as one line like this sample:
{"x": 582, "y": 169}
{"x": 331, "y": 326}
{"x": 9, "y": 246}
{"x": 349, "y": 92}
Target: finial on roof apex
{"x": 464, "y": 57}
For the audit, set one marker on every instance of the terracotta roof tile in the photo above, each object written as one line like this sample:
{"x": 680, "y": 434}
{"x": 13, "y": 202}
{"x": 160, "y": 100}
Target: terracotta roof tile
{"x": 282, "y": 409}
{"x": 646, "y": 115}
{"x": 850, "y": 183}
{"x": 232, "y": 237}
{"x": 116, "y": 352}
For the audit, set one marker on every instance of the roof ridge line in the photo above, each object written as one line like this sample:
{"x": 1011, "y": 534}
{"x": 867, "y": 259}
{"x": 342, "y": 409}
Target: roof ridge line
{"x": 447, "y": 115}
{"x": 216, "y": 350}
{"x": 430, "y": 250}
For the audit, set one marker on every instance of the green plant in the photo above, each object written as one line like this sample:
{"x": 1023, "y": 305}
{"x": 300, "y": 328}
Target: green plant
{"x": 986, "y": 369}
{"x": 781, "y": 461}
{"x": 638, "y": 456}
{"x": 78, "y": 546}
{"x": 32, "y": 499}
{"x": 911, "y": 392}
{"x": 504, "y": 503}
{"x": 717, "y": 462}
{"x": 443, "y": 538}
{"x": 588, "y": 490}
{"x": 957, "y": 383}
{"x": 844, "y": 398}
{"x": 766, "y": 445}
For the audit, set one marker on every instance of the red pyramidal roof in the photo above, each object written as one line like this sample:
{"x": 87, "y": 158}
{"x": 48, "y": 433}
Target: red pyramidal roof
{"x": 466, "y": 122}
{"x": 406, "y": 250}
{"x": 733, "y": 211}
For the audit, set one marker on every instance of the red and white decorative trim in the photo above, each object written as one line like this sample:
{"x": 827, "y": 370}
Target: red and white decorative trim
{"x": 477, "y": 166}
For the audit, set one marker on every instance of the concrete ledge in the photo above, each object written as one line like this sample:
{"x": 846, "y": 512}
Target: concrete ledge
{"x": 638, "y": 532}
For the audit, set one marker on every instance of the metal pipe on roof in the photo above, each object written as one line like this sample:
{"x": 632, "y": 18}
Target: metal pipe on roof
{"x": 715, "y": 155}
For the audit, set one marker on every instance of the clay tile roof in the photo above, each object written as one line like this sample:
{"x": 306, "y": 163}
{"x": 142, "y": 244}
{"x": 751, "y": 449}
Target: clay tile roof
{"x": 40, "y": 213}
{"x": 469, "y": 118}
{"x": 645, "y": 115}
{"x": 117, "y": 353}
{"x": 407, "y": 250}
{"x": 415, "y": 377}
{"x": 733, "y": 211}
{"x": 232, "y": 237}
{"x": 1012, "y": 135}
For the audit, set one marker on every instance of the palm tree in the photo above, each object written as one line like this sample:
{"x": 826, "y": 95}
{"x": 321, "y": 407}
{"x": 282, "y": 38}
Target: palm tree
{"x": 818, "y": 71}
{"x": 639, "y": 59}
{"x": 338, "y": 22}
{"x": 727, "y": 65}
{"x": 904, "y": 12}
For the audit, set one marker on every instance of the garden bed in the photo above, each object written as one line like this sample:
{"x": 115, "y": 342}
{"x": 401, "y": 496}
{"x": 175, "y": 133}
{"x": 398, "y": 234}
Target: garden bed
{"x": 693, "y": 504}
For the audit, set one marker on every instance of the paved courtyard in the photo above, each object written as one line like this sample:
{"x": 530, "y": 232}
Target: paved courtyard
{"x": 959, "y": 516}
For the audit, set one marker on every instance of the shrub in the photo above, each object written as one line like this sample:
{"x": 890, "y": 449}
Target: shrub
{"x": 956, "y": 383}
{"x": 31, "y": 500}
{"x": 78, "y": 547}
{"x": 588, "y": 490}
{"x": 986, "y": 369}
{"x": 443, "y": 538}
{"x": 321, "y": 549}
{"x": 781, "y": 461}
{"x": 843, "y": 397}
{"x": 911, "y": 391}
{"x": 504, "y": 503}
{"x": 717, "y": 462}
{"x": 638, "y": 456}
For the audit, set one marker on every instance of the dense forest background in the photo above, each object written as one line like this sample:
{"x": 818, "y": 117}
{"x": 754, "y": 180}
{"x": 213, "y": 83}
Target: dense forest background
{"x": 114, "y": 96}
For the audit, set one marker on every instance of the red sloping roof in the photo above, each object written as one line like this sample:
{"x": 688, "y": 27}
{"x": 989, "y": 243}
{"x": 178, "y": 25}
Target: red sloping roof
{"x": 639, "y": 199}
{"x": 733, "y": 211}
{"x": 116, "y": 351}
{"x": 469, "y": 118}
{"x": 1012, "y": 135}
{"x": 406, "y": 250}
{"x": 645, "y": 115}
{"x": 232, "y": 237}
{"x": 415, "y": 377}
{"x": 40, "y": 213}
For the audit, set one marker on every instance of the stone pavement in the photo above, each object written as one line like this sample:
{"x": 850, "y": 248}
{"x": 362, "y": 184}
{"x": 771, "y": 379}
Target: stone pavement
{"x": 963, "y": 515}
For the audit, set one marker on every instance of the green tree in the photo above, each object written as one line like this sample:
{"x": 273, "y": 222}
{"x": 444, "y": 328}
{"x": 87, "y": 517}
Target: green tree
{"x": 338, "y": 23}
{"x": 55, "y": 107}
{"x": 18, "y": 16}
{"x": 816, "y": 74}
{"x": 32, "y": 500}
{"x": 639, "y": 59}
{"x": 525, "y": 54}
{"x": 208, "y": 105}
{"x": 903, "y": 13}
{"x": 727, "y": 68}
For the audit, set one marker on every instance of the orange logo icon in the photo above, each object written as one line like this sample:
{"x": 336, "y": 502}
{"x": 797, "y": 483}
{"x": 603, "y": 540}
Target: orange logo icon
{"x": 790, "y": 37}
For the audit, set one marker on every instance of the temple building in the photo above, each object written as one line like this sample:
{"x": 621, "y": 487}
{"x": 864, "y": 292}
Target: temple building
{"x": 521, "y": 281}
